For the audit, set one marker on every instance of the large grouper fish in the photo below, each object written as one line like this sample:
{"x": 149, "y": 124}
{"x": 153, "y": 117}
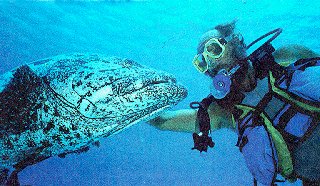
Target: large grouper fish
{"x": 64, "y": 104}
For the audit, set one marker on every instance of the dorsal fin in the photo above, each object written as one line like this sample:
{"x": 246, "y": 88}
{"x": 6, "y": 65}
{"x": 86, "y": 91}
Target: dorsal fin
{"x": 19, "y": 101}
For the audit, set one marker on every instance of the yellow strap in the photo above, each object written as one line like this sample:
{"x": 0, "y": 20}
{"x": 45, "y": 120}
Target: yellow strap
{"x": 233, "y": 122}
{"x": 288, "y": 97}
{"x": 284, "y": 157}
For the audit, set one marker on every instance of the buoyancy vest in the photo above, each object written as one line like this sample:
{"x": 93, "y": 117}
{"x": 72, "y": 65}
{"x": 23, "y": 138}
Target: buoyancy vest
{"x": 278, "y": 127}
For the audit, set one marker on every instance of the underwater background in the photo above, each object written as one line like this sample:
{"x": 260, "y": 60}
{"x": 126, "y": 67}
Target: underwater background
{"x": 162, "y": 35}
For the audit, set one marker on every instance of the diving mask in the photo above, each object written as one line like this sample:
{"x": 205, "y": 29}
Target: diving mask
{"x": 213, "y": 50}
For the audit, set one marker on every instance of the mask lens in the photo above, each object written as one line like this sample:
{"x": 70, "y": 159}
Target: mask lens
{"x": 214, "y": 49}
{"x": 200, "y": 64}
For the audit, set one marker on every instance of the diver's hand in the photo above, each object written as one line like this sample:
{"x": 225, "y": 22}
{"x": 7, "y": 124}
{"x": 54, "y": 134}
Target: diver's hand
{"x": 202, "y": 142}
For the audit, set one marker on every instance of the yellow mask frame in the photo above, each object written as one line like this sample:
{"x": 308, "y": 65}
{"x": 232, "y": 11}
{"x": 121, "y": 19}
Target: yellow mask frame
{"x": 213, "y": 50}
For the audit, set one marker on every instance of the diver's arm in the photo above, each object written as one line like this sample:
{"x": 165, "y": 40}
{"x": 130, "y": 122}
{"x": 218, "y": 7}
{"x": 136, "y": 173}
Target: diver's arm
{"x": 220, "y": 118}
{"x": 179, "y": 120}
{"x": 291, "y": 53}
{"x": 184, "y": 120}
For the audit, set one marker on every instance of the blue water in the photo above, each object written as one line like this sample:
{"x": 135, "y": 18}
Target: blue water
{"x": 160, "y": 34}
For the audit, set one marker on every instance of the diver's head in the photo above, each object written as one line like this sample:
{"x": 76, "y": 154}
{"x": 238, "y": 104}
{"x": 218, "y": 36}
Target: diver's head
{"x": 223, "y": 51}
{"x": 219, "y": 48}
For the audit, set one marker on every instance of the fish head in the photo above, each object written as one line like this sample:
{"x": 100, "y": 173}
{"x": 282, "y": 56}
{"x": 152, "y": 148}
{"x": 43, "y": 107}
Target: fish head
{"x": 112, "y": 88}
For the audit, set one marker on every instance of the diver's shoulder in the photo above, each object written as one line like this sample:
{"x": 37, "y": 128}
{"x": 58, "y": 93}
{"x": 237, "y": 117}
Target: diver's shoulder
{"x": 293, "y": 52}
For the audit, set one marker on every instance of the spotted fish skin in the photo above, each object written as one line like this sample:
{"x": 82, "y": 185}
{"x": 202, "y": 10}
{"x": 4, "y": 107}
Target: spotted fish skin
{"x": 64, "y": 104}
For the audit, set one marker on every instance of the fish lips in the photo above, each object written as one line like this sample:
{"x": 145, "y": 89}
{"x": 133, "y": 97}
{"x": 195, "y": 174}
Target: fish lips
{"x": 152, "y": 94}
{"x": 140, "y": 96}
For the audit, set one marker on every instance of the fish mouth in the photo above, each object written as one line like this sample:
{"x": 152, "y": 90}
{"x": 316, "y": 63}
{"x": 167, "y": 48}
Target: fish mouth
{"x": 149, "y": 95}
{"x": 163, "y": 82}
{"x": 149, "y": 99}
{"x": 162, "y": 92}
{"x": 164, "y": 85}
{"x": 134, "y": 96}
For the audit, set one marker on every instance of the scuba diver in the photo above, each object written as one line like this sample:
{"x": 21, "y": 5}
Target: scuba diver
{"x": 271, "y": 98}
